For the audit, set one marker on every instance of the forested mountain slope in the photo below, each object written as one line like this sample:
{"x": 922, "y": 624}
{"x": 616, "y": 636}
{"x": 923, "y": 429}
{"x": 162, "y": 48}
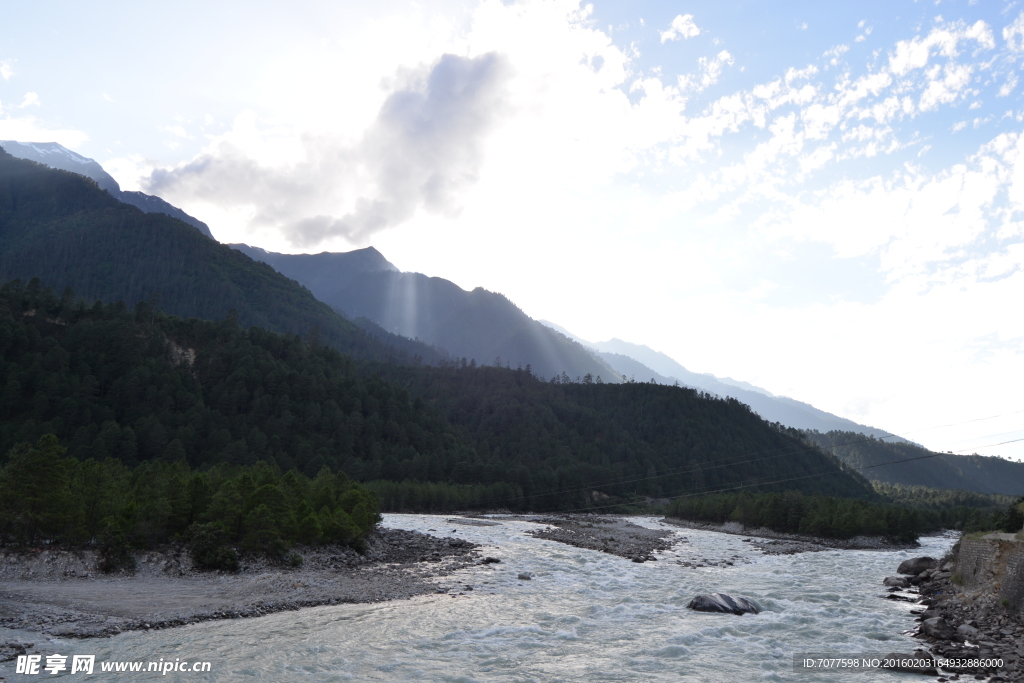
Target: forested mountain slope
{"x": 944, "y": 471}
{"x": 62, "y": 228}
{"x": 618, "y": 439}
{"x": 57, "y": 156}
{"x": 479, "y": 325}
{"x": 140, "y": 386}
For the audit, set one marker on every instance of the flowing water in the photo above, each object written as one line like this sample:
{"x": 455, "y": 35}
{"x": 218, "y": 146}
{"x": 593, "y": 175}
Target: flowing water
{"x": 585, "y": 616}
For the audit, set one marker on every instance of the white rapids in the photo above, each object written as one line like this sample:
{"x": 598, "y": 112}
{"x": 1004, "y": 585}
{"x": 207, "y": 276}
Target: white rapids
{"x": 584, "y": 616}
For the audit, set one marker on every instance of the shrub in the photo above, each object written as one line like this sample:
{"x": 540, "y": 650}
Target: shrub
{"x": 209, "y": 549}
{"x": 115, "y": 553}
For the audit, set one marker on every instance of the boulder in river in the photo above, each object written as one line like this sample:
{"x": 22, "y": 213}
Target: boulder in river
{"x": 895, "y": 582}
{"x": 917, "y": 565}
{"x": 720, "y": 602}
{"x": 936, "y": 627}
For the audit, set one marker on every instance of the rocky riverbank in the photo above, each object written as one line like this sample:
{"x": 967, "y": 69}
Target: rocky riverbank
{"x": 956, "y": 627}
{"x": 613, "y": 535}
{"x": 62, "y": 593}
{"x": 777, "y": 543}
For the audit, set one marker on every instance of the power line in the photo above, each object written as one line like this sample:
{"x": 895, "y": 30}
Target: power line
{"x": 957, "y": 424}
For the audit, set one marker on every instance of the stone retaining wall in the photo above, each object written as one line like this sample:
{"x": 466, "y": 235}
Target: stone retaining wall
{"x": 993, "y": 565}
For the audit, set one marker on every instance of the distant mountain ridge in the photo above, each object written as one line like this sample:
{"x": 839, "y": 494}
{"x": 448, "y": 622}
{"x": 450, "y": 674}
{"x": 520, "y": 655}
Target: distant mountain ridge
{"x": 62, "y": 228}
{"x": 908, "y": 464}
{"x": 644, "y": 363}
{"x": 59, "y": 157}
{"x": 479, "y": 325}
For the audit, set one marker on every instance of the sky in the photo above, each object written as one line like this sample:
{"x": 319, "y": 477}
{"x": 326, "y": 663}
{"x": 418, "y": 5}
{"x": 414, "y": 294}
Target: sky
{"x": 822, "y": 199}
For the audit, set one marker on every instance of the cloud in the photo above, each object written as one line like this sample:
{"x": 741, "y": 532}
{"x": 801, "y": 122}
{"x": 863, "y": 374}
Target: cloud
{"x": 1013, "y": 34}
{"x": 6, "y": 69}
{"x": 709, "y": 71}
{"x": 682, "y": 27}
{"x": 177, "y": 130}
{"x": 835, "y": 53}
{"x": 31, "y": 100}
{"x": 915, "y": 53}
{"x": 1007, "y": 87}
{"x": 425, "y": 146}
{"x": 30, "y": 129}
{"x": 945, "y": 85}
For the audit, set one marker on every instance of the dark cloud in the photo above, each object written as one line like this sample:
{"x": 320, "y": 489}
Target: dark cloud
{"x": 423, "y": 148}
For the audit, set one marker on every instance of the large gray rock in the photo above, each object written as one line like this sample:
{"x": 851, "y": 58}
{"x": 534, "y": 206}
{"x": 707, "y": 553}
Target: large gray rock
{"x": 936, "y": 627}
{"x": 917, "y": 565}
{"x": 895, "y": 582}
{"x": 967, "y": 632}
{"x": 720, "y": 602}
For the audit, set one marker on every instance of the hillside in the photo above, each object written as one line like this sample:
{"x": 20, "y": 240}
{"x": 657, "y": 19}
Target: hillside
{"x": 481, "y": 326}
{"x": 616, "y": 439}
{"x": 62, "y": 228}
{"x": 982, "y": 474}
{"x": 142, "y": 386}
{"x": 59, "y": 157}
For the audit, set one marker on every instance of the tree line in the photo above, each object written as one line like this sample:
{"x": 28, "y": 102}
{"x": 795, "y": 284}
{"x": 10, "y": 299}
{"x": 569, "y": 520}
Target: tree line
{"x": 902, "y": 515}
{"x": 47, "y": 497}
{"x": 795, "y": 513}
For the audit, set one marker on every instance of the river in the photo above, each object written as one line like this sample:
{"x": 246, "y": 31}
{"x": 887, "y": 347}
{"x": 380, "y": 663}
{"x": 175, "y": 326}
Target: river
{"x": 584, "y": 616}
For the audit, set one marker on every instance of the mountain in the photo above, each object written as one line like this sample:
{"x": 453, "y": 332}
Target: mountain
{"x": 644, "y": 363}
{"x": 667, "y": 366}
{"x": 984, "y": 474}
{"x": 61, "y": 227}
{"x": 143, "y": 386}
{"x": 558, "y": 441}
{"x": 112, "y": 379}
{"x": 481, "y": 326}
{"x": 57, "y": 156}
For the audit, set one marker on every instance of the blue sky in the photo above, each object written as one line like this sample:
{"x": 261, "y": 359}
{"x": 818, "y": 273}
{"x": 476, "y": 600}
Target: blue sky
{"x": 823, "y": 199}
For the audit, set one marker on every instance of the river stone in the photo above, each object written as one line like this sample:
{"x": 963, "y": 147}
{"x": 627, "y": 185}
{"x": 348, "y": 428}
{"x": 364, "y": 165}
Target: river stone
{"x": 917, "y": 565}
{"x": 895, "y": 582}
{"x": 720, "y": 602}
{"x": 968, "y": 632}
{"x": 936, "y": 627}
